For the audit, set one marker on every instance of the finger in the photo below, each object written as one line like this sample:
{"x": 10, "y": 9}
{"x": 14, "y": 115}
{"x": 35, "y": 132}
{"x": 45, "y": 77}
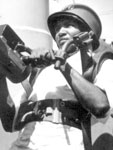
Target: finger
{"x": 52, "y": 54}
{"x": 57, "y": 64}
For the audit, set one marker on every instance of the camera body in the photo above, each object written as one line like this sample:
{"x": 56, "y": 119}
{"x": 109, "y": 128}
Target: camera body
{"x": 10, "y": 58}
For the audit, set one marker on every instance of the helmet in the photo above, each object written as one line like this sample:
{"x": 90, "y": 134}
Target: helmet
{"x": 81, "y": 14}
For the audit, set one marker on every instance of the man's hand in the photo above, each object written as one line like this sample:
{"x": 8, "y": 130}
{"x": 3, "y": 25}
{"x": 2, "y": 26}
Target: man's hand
{"x": 40, "y": 58}
{"x": 66, "y": 51}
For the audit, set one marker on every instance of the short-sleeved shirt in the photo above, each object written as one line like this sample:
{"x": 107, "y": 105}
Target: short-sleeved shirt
{"x": 47, "y": 135}
{"x": 102, "y": 128}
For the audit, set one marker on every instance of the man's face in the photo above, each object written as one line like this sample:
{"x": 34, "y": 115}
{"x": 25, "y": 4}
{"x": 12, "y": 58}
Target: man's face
{"x": 64, "y": 31}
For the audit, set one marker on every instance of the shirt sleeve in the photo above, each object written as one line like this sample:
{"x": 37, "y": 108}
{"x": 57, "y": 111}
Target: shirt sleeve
{"x": 104, "y": 79}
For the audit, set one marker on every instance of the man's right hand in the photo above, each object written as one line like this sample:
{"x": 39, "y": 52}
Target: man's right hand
{"x": 39, "y": 57}
{"x": 66, "y": 51}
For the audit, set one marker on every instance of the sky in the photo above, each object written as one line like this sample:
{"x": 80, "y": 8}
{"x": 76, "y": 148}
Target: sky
{"x": 104, "y": 9}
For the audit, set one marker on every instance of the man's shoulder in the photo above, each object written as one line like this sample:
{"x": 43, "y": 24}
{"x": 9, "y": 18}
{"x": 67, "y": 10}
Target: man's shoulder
{"x": 103, "y": 54}
{"x": 104, "y": 51}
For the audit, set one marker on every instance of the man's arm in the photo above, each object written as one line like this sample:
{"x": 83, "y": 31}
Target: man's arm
{"x": 90, "y": 96}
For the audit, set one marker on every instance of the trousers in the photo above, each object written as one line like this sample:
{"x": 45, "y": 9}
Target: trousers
{"x": 48, "y": 136}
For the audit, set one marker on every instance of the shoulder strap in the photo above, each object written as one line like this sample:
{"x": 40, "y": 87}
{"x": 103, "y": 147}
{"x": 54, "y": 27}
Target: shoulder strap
{"x": 28, "y": 86}
{"x": 85, "y": 124}
{"x": 103, "y": 53}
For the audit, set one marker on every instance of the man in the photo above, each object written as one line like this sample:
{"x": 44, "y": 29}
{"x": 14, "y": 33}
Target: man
{"x": 75, "y": 99}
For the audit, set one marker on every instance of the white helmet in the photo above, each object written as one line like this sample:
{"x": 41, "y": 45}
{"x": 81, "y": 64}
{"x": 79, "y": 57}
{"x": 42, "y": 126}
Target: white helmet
{"x": 81, "y": 14}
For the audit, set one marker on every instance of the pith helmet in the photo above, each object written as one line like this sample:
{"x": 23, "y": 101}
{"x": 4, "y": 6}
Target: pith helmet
{"x": 81, "y": 14}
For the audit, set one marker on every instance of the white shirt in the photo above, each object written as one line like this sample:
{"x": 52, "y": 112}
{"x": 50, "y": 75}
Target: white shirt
{"x": 45, "y": 135}
{"x": 50, "y": 79}
{"x": 102, "y": 126}
{"x": 104, "y": 79}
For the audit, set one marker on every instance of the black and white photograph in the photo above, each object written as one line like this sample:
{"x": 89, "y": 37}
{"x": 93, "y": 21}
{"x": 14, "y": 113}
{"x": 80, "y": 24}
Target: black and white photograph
{"x": 56, "y": 74}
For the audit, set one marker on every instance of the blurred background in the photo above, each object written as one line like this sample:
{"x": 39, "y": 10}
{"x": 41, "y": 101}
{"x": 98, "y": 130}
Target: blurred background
{"x": 11, "y": 13}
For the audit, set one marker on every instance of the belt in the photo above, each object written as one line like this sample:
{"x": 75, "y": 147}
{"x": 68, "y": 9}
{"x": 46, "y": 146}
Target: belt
{"x": 54, "y": 110}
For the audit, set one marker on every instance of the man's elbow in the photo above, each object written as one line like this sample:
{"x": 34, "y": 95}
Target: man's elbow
{"x": 101, "y": 111}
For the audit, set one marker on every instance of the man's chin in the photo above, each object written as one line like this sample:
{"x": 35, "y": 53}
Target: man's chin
{"x": 61, "y": 45}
